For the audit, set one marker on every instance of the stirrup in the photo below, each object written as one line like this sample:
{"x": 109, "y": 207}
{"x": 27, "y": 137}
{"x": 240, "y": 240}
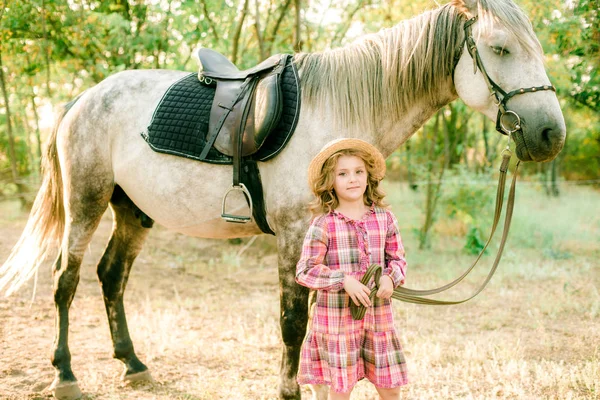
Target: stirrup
{"x": 240, "y": 219}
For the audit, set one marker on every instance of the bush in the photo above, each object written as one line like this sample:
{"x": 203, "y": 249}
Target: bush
{"x": 469, "y": 199}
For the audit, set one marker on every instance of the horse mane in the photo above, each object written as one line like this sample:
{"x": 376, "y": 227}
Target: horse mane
{"x": 381, "y": 75}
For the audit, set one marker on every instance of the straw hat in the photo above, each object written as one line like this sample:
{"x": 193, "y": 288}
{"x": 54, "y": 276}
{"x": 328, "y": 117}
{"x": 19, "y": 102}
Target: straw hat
{"x": 316, "y": 165}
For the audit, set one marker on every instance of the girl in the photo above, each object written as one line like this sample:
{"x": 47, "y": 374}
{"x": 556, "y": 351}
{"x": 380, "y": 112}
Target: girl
{"x": 351, "y": 230}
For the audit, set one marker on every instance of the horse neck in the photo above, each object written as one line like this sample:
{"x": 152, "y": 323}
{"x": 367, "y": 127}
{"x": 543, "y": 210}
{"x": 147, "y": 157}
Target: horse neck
{"x": 386, "y": 85}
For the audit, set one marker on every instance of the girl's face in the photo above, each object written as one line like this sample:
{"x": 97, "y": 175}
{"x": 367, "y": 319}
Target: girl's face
{"x": 350, "y": 179}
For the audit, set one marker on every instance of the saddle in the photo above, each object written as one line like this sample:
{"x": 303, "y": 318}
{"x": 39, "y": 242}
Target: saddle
{"x": 246, "y": 108}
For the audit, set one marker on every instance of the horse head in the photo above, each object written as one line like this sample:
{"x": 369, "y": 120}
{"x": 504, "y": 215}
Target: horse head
{"x": 500, "y": 72}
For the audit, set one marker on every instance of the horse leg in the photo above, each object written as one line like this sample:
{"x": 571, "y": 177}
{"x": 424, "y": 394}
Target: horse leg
{"x": 125, "y": 243}
{"x": 83, "y": 216}
{"x": 294, "y": 309}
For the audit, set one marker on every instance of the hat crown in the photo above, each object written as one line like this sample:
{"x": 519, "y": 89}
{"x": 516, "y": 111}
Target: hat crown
{"x": 336, "y": 145}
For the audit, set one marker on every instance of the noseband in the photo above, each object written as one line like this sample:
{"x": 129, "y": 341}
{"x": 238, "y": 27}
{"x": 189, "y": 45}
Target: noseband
{"x": 507, "y": 121}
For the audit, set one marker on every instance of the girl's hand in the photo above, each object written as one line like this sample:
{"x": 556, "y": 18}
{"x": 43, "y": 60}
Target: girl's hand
{"x": 386, "y": 287}
{"x": 358, "y": 292}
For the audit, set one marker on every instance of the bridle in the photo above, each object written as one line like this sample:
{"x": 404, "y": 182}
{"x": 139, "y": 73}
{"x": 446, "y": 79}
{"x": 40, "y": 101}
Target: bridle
{"x": 507, "y": 121}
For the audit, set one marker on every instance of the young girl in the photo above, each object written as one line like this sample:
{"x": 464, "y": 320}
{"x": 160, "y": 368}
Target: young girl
{"x": 351, "y": 230}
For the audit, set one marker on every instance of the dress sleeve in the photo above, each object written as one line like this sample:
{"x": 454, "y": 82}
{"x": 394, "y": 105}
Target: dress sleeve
{"x": 310, "y": 270}
{"x": 395, "y": 263}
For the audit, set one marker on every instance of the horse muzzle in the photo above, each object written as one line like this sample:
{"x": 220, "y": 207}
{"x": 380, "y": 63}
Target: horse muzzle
{"x": 539, "y": 142}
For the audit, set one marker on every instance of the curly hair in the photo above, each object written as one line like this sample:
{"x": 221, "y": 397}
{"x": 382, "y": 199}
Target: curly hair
{"x": 325, "y": 198}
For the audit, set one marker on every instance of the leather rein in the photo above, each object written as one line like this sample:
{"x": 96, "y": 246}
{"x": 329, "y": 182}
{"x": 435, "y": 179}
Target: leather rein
{"x": 508, "y": 122}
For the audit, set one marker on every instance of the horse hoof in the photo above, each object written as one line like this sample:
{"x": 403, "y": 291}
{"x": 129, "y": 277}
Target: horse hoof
{"x": 65, "y": 390}
{"x": 143, "y": 376}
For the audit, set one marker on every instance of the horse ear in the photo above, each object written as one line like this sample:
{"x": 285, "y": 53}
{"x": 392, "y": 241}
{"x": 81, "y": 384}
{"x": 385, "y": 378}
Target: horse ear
{"x": 466, "y": 6}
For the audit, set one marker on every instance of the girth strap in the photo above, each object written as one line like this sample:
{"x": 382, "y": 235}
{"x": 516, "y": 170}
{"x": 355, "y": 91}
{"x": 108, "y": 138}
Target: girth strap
{"x": 416, "y": 296}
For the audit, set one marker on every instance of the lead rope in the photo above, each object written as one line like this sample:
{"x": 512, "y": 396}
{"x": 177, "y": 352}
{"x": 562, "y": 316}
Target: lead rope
{"x": 416, "y": 296}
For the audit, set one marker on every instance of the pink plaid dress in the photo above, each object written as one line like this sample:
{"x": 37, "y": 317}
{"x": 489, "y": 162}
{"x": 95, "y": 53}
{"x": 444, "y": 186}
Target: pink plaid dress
{"x": 339, "y": 351}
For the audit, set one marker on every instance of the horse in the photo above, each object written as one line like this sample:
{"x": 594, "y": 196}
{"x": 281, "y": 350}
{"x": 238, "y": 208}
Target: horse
{"x": 381, "y": 88}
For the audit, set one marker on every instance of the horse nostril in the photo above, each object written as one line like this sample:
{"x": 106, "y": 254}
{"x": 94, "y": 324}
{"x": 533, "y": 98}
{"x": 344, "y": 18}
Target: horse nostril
{"x": 546, "y": 135}
{"x": 552, "y": 139}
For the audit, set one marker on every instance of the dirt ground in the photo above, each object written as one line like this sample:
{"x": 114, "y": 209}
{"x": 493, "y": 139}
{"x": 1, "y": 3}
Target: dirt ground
{"x": 205, "y": 321}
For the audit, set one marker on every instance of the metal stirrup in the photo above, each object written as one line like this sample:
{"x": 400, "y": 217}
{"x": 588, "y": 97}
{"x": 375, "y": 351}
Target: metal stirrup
{"x": 240, "y": 219}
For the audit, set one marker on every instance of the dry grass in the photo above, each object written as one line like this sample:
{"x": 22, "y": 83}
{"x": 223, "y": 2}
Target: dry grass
{"x": 206, "y": 322}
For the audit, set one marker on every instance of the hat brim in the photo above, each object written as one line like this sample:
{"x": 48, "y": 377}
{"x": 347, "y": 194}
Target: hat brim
{"x": 316, "y": 164}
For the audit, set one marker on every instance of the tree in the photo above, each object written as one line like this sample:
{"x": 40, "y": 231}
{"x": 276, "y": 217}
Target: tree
{"x": 577, "y": 36}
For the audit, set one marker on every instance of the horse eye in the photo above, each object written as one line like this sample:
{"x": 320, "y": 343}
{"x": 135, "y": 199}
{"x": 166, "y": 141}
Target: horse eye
{"x": 501, "y": 51}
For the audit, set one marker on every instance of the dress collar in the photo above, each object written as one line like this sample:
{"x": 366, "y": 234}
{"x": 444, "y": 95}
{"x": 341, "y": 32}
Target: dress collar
{"x": 343, "y": 217}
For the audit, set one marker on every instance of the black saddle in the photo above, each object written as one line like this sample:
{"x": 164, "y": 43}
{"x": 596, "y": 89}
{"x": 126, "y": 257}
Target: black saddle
{"x": 246, "y": 108}
{"x": 227, "y": 116}
{"x": 247, "y": 104}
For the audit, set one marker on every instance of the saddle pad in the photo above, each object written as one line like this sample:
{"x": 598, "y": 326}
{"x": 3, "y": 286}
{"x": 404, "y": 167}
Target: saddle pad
{"x": 180, "y": 122}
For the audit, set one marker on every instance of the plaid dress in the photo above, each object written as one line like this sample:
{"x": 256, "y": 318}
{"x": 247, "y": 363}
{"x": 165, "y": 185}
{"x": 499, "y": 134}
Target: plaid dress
{"x": 339, "y": 351}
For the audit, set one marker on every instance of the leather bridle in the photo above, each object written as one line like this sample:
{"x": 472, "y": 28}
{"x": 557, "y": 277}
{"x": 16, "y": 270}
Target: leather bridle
{"x": 507, "y": 121}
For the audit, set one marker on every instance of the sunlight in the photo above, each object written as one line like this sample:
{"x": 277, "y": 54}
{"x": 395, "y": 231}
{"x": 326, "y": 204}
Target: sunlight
{"x": 46, "y": 114}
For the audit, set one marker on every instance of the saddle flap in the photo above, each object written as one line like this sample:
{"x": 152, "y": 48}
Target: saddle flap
{"x": 256, "y": 113}
{"x": 266, "y": 111}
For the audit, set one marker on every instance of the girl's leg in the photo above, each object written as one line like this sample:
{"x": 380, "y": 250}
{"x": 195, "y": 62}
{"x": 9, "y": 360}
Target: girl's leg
{"x": 319, "y": 392}
{"x": 388, "y": 394}
{"x": 339, "y": 396}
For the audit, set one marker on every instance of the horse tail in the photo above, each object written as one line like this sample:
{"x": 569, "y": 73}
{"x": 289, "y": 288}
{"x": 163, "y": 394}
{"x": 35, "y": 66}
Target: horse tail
{"x": 45, "y": 226}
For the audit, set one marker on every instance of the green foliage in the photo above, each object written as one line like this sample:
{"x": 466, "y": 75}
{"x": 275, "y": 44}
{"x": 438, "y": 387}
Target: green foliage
{"x": 582, "y": 150}
{"x": 468, "y": 198}
{"x": 474, "y": 244}
{"x": 53, "y": 49}
{"x": 576, "y": 35}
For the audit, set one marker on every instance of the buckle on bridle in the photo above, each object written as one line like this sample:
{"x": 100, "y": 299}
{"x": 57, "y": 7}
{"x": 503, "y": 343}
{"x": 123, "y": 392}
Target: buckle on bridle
{"x": 509, "y": 122}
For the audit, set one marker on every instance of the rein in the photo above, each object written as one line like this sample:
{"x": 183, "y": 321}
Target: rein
{"x": 508, "y": 122}
{"x": 417, "y": 296}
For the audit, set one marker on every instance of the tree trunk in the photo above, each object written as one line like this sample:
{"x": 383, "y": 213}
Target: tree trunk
{"x": 238, "y": 33}
{"x": 38, "y": 142}
{"x": 484, "y": 132}
{"x": 258, "y": 32}
{"x": 424, "y": 233}
{"x": 46, "y": 49}
{"x": 273, "y": 34}
{"x": 298, "y": 26}
{"x": 554, "y": 176}
{"x": 26, "y": 129}
{"x": 11, "y": 141}
{"x": 213, "y": 28}
{"x": 433, "y": 187}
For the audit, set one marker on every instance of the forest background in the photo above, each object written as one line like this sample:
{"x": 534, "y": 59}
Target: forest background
{"x": 204, "y": 313}
{"x": 52, "y": 50}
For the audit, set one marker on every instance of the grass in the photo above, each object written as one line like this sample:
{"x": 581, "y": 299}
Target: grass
{"x": 206, "y": 319}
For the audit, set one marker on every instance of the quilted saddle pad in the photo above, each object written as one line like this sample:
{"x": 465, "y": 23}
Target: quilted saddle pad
{"x": 179, "y": 124}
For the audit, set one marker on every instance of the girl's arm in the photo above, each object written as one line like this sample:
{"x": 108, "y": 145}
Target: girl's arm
{"x": 310, "y": 270}
{"x": 395, "y": 263}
